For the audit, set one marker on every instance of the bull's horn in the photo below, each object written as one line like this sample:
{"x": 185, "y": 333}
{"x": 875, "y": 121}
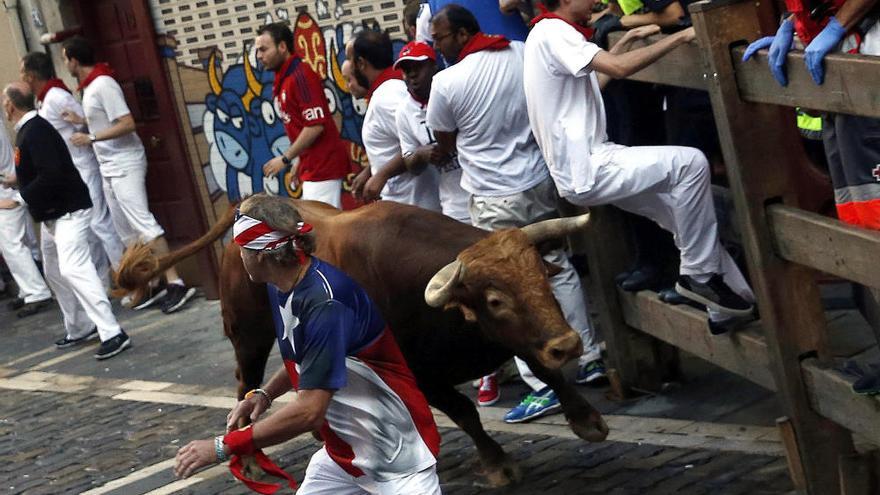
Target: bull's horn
{"x": 555, "y": 228}
{"x": 213, "y": 80}
{"x": 253, "y": 83}
{"x": 439, "y": 289}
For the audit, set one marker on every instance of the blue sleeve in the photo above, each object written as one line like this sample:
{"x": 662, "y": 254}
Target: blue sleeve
{"x": 322, "y": 364}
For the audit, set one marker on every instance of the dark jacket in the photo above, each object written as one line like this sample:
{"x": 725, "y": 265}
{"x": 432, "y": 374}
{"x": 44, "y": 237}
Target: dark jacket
{"x": 48, "y": 181}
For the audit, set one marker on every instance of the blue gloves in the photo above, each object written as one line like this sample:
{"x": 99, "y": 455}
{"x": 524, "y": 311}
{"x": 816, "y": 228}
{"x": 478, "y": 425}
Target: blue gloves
{"x": 780, "y": 45}
{"x": 826, "y": 41}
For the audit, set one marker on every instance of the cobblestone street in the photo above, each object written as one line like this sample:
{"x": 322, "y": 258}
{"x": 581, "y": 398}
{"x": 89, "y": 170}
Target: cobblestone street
{"x": 71, "y": 424}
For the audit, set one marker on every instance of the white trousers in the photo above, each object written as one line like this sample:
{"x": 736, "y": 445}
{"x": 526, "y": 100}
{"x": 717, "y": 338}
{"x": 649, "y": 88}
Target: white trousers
{"x": 17, "y": 253}
{"x": 105, "y": 240}
{"x": 325, "y": 477}
{"x": 670, "y": 185}
{"x": 127, "y": 199}
{"x": 530, "y": 206}
{"x": 72, "y": 275}
{"x": 328, "y": 191}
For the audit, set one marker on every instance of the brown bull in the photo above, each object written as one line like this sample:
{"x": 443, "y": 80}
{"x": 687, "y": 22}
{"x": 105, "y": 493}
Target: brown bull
{"x": 487, "y": 295}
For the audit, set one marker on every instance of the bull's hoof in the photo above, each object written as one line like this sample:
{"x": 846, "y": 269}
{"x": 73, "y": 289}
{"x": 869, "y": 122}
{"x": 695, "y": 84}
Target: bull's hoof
{"x": 591, "y": 429}
{"x": 502, "y": 473}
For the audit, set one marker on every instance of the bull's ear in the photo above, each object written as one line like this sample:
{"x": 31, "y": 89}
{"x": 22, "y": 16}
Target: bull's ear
{"x": 552, "y": 269}
{"x": 468, "y": 313}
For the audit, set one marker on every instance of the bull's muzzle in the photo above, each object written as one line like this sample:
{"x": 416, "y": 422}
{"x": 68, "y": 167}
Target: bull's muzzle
{"x": 560, "y": 350}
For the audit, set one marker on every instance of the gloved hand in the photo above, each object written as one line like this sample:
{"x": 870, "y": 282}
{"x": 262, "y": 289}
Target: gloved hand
{"x": 815, "y": 52}
{"x": 780, "y": 45}
{"x": 606, "y": 24}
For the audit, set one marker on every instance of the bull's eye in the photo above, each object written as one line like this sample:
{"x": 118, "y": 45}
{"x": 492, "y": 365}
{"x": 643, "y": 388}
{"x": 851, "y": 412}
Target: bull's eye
{"x": 495, "y": 301}
{"x": 224, "y": 118}
{"x": 268, "y": 112}
{"x": 238, "y": 122}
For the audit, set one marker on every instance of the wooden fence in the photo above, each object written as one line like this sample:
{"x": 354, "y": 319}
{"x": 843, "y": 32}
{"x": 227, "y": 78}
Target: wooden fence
{"x": 789, "y": 349}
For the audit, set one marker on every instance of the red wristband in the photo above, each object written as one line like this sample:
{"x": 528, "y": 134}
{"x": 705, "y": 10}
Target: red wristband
{"x": 240, "y": 441}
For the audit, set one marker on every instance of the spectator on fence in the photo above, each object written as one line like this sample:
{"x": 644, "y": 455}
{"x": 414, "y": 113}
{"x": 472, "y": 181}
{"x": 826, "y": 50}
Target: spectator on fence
{"x": 54, "y": 100}
{"x": 668, "y": 184}
{"x": 373, "y": 59}
{"x": 112, "y": 134}
{"x": 33, "y": 293}
{"x": 57, "y": 197}
{"x": 851, "y": 143}
{"x": 477, "y": 108}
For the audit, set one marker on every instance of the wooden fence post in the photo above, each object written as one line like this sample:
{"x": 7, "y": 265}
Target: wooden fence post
{"x": 755, "y": 140}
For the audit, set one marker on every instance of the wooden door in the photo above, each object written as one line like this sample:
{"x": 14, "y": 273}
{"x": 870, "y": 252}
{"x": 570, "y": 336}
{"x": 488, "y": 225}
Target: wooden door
{"x": 123, "y": 35}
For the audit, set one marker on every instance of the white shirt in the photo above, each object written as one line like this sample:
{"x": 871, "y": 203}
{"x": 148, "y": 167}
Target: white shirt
{"x": 104, "y": 104}
{"x": 565, "y": 105}
{"x": 482, "y": 98}
{"x": 415, "y": 133}
{"x": 54, "y": 104}
{"x": 7, "y": 165}
{"x": 382, "y": 143}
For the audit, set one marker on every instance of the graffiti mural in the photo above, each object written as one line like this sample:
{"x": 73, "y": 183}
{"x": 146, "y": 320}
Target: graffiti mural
{"x": 240, "y": 121}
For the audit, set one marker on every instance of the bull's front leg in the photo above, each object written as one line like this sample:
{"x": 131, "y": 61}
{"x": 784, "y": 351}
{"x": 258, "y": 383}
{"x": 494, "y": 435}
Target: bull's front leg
{"x": 498, "y": 468}
{"x": 583, "y": 419}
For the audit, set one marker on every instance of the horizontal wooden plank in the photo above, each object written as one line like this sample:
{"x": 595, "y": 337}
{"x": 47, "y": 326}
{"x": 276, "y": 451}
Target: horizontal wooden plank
{"x": 831, "y": 396}
{"x": 744, "y": 352}
{"x": 826, "y": 244}
{"x": 681, "y": 67}
{"x": 850, "y": 84}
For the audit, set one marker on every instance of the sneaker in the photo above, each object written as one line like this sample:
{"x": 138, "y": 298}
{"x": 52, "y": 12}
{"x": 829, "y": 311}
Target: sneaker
{"x": 715, "y": 294}
{"x": 533, "y": 406}
{"x": 730, "y": 324}
{"x": 177, "y": 296}
{"x": 489, "y": 392}
{"x": 65, "y": 342}
{"x": 114, "y": 346}
{"x": 153, "y": 296}
{"x": 15, "y": 304}
{"x": 32, "y": 308}
{"x": 592, "y": 373}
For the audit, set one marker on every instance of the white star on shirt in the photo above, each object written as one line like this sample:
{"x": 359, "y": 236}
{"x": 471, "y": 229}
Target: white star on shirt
{"x": 289, "y": 320}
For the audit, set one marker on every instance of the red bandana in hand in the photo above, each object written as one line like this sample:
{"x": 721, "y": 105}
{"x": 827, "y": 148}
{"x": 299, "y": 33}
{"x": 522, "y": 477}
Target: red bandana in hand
{"x": 545, "y": 14}
{"x": 482, "y": 41}
{"x": 100, "y": 69}
{"x": 52, "y": 83}
{"x": 241, "y": 443}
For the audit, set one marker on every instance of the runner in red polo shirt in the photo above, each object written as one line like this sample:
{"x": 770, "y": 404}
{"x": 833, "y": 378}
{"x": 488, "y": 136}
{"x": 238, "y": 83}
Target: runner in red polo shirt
{"x": 302, "y": 106}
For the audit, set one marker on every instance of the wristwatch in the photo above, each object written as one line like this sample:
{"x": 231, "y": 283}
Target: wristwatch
{"x": 93, "y": 138}
{"x": 286, "y": 161}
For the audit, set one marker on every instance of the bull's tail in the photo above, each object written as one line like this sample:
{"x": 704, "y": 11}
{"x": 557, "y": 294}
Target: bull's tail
{"x": 139, "y": 265}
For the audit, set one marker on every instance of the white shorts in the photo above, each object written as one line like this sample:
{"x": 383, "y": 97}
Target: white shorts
{"x": 328, "y": 191}
{"x": 325, "y": 477}
{"x": 127, "y": 198}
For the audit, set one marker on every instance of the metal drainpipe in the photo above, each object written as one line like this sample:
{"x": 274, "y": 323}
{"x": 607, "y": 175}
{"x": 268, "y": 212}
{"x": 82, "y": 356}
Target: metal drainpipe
{"x": 14, "y": 16}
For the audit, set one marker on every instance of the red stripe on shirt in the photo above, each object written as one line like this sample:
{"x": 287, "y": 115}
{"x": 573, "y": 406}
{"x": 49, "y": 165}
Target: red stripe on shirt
{"x": 385, "y": 359}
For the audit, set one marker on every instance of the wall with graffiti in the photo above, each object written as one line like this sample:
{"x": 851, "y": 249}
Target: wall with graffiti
{"x": 227, "y": 95}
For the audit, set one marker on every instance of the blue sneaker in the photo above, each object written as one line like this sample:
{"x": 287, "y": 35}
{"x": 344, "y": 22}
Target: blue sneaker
{"x": 534, "y": 405}
{"x": 592, "y": 372}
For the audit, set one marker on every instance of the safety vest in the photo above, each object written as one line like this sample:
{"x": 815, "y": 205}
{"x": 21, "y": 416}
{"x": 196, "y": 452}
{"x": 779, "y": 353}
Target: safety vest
{"x": 810, "y": 126}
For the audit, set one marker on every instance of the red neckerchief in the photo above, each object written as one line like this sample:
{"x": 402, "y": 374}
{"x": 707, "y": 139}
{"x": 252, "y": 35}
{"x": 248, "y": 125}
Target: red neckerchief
{"x": 284, "y": 71}
{"x": 482, "y": 41}
{"x": 386, "y": 75}
{"x": 100, "y": 69}
{"x": 546, "y": 14}
{"x": 52, "y": 83}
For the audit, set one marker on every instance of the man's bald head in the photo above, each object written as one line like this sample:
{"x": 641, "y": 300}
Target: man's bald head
{"x": 19, "y": 94}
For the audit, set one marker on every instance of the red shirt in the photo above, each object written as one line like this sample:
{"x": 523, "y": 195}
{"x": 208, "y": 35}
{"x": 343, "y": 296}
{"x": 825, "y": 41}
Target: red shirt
{"x": 300, "y": 101}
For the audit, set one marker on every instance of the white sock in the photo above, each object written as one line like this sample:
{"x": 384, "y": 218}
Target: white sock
{"x": 702, "y": 278}
{"x": 176, "y": 281}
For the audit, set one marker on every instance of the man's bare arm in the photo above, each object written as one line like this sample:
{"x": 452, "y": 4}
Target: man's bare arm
{"x": 626, "y": 64}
